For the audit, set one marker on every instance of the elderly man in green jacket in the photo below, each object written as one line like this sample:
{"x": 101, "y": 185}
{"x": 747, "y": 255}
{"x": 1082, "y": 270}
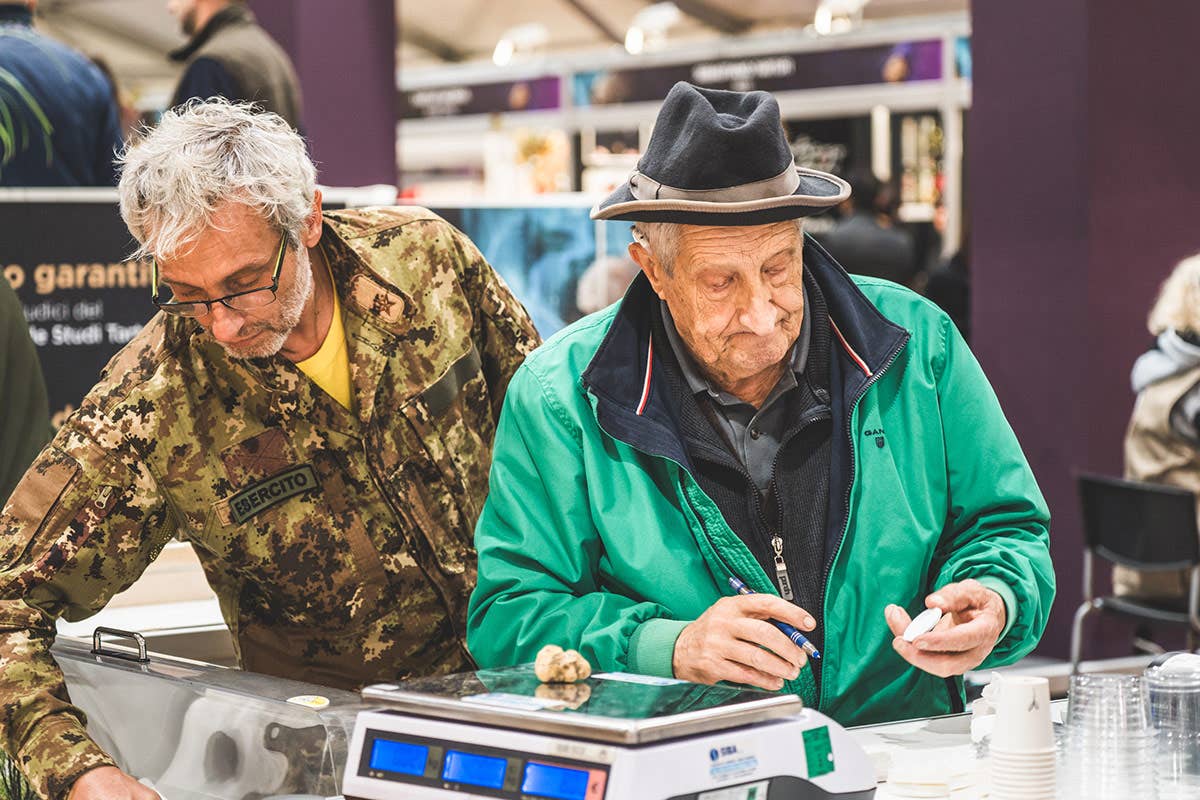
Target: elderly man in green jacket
{"x": 750, "y": 411}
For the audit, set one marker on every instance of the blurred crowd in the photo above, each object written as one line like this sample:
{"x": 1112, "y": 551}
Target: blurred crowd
{"x": 64, "y": 117}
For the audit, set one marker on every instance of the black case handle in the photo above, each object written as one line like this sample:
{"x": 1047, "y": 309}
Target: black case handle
{"x": 99, "y": 650}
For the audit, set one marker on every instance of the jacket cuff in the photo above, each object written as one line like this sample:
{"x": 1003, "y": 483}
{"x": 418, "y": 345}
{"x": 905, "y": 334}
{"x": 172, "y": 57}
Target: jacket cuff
{"x": 57, "y": 753}
{"x": 1010, "y": 601}
{"x": 652, "y": 647}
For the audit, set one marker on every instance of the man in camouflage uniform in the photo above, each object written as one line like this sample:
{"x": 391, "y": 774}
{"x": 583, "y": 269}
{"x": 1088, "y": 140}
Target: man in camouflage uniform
{"x": 338, "y": 539}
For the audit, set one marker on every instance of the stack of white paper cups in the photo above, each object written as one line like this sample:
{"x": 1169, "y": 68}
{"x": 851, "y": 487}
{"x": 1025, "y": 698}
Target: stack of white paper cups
{"x": 1022, "y": 745}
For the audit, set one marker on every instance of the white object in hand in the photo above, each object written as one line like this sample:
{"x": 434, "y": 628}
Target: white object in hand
{"x": 923, "y": 623}
{"x": 1181, "y": 664}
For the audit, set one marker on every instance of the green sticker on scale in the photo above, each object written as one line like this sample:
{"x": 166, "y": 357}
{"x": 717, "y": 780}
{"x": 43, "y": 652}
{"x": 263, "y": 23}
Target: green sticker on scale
{"x": 818, "y": 751}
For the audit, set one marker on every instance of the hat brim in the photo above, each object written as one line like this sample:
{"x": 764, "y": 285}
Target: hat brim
{"x": 817, "y": 192}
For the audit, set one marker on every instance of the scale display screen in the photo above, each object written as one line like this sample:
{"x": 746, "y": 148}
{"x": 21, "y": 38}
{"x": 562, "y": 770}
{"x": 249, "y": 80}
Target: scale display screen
{"x": 558, "y": 783}
{"x": 474, "y": 770}
{"x": 399, "y": 757}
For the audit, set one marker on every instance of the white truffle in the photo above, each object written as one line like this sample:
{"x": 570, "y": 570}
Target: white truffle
{"x": 555, "y": 665}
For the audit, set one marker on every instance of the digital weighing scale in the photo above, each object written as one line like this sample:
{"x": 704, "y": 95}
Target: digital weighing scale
{"x": 503, "y": 734}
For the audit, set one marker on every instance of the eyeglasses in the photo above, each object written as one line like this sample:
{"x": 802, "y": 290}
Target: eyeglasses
{"x": 238, "y": 301}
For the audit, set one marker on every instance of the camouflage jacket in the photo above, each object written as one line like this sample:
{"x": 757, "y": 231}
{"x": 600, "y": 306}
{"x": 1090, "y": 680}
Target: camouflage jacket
{"x": 339, "y": 543}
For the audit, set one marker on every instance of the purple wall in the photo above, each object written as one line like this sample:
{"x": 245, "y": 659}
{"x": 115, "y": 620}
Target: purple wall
{"x": 345, "y": 56}
{"x": 1082, "y": 168}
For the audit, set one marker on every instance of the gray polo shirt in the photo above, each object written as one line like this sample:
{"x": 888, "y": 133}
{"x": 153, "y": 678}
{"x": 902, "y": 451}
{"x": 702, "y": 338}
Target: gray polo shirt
{"x": 754, "y": 434}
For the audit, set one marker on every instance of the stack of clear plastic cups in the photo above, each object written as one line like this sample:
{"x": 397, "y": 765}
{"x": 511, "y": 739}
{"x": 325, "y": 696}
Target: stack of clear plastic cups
{"x": 1022, "y": 744}
{"x": 1174, "y": 696}
{"x": 1109, "y": 744}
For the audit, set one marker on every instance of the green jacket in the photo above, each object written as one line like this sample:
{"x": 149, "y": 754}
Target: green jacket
{"x": 596, "y": 535}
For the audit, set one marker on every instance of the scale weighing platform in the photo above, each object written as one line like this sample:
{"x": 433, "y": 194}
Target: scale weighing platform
{"x": 503, "y": 734}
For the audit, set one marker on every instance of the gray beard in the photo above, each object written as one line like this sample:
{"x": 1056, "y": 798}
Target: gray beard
{"x": 291, "y": 308}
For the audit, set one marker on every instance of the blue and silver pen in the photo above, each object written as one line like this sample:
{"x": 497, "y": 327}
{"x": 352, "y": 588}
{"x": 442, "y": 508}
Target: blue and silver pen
{"x": 788, "y": 631}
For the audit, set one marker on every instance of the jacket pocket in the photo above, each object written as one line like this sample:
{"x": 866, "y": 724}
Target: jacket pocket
{"x": 445, "y": 391}
{"x": 305, "y": 555}
{"x": 52, "y": 514}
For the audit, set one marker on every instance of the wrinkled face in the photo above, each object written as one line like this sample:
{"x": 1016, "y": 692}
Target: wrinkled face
{"x": 237, "y": 253}
{"x": 736, "y": 296}
{"x": 185, "y": 12}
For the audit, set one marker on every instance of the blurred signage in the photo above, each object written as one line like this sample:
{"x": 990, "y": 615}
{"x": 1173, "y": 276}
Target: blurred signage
{"x": 535, "y": 94}
{"x": 82, "y": 299}
{"x": 777, "y": 72}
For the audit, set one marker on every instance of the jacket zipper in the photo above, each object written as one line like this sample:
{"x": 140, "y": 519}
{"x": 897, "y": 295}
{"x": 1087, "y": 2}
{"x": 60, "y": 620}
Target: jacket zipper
{"x": 782, "y": 577}
{"x": 875, "y": 376}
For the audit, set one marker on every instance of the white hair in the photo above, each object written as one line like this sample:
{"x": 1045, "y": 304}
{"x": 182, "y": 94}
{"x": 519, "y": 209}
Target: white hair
{"x": 661, "y": 239}
{"x": 204, "y": 155}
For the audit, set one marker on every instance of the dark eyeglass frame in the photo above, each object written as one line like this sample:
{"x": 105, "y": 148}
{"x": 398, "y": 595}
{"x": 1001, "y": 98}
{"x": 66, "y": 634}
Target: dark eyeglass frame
{"x": 191, "y": 308}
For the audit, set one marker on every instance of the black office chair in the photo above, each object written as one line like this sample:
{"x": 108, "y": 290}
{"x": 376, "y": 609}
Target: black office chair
{"x": 1145, "y": 526}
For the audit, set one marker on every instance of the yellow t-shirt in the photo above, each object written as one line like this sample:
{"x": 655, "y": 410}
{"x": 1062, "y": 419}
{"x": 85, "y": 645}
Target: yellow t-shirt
{"x": 329, "y": 367}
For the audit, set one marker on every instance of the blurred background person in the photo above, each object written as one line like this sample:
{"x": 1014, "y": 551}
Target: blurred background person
{"x": 1162, "y": 443}
{"x": 230, "y": 56}
{"x": 58, "y": 120}
{"x": 24, "y": 413}
{"x": 604, "y": 282}
{"x": 127, "y": 113}
{"x": 867, "y": 239}
{"x": 949, "y": 286}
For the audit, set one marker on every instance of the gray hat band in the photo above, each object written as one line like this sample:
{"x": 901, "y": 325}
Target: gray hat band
{"x": 643, "y": 187}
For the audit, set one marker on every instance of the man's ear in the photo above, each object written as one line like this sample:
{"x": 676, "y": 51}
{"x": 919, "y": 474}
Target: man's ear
{"x": 313, "y": 224}
{"x": 650, "y": 265}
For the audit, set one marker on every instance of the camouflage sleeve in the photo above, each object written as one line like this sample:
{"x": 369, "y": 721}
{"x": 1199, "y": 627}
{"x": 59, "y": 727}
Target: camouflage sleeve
{"x": 83, "y": 524}
{"x": 504, "y": 332}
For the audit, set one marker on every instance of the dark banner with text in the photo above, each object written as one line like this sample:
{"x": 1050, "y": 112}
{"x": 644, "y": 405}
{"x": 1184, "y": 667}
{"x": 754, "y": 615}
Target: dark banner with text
{"x": 82, "y": 299}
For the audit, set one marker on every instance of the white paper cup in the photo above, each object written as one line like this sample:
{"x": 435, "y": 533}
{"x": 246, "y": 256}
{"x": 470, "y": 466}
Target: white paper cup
{"x": 1024, "y": 776}
{"x": 1023, "y": 756}
{"x": 1023, "y": 715}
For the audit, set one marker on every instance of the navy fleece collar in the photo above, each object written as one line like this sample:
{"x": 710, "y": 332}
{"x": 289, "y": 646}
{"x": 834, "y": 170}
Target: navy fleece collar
{"x": 622, "y": 372}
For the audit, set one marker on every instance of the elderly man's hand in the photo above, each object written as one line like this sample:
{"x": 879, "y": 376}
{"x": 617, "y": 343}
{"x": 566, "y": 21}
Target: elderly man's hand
{"x": 973, "y": 618}
{"x": 733, "y": 641}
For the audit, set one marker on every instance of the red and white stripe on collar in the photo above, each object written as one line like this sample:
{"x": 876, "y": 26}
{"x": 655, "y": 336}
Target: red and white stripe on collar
{"x": 846, "y": 345}
{"x": 650, "y": 365}
{"x": 646, "y": 383}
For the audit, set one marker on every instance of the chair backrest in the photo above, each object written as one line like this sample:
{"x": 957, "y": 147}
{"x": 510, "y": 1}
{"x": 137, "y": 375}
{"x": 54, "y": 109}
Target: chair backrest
{"x": 1142, "y": 525}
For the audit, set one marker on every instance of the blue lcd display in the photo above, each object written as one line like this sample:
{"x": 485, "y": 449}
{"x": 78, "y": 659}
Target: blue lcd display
{"x": 401, "y": 757}
{"x": 474, "y": 770}
{"x": 559, "y": 783}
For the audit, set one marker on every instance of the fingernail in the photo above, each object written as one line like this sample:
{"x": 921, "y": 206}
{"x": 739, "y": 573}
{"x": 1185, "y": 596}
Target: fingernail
{"x": 937, "y": 599}
{"x": 810, "y": 623}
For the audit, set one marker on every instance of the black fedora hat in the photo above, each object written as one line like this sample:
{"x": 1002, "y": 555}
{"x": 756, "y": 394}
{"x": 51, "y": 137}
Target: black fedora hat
{"x": 720, "y": 158}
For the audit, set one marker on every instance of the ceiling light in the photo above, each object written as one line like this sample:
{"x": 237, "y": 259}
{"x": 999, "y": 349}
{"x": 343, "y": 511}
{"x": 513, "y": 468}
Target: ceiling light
{"x": 635, "y": 39}
{"x": 503, "y": 52}
{"x": 648, "y": 31}
{"x": 521, "y": 40}
{"x": 838, "y": 16}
